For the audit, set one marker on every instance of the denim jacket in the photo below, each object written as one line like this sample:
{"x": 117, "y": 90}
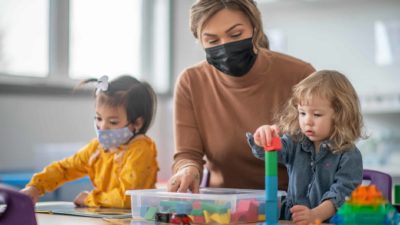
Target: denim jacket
{"x": 314, "y": 178}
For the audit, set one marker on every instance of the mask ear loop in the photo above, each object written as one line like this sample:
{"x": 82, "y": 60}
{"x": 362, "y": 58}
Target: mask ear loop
{"x": 133, "y": 130}
{"x": 255, "y": 48}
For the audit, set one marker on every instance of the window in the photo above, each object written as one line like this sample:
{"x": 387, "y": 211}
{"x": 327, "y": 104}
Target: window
{"x": 65, "y": 41}
{"x": 24, "y": 37}
{"x": 104, "y": 38}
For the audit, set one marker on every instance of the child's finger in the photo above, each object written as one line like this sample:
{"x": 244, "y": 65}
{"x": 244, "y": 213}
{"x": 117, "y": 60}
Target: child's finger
{"x": 263, "y": 137}
{"x": 275, "y": 130}
{"x": 259, "y": 136}
{"x": 268, "y": 137}
{"x": 257, "y": 139}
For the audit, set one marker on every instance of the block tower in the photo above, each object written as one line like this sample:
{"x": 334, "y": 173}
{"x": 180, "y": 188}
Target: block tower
{"x": 271, "y": 181}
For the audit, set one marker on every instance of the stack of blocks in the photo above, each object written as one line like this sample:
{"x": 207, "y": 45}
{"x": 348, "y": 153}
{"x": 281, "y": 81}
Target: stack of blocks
{"x": 366, "y": 206}
{"x": 271, "y": 181}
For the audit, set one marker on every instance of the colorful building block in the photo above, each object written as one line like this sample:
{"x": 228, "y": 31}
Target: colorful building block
{"x": 246, "y": 211}
{"x": 150, "y": 214}
{"x": 221, "y": 218}
{"x": 366, "y": 206}
{"x": 271, "y": 181}
{"x": 275, "y": 145}
{"x": 198, "y": 219}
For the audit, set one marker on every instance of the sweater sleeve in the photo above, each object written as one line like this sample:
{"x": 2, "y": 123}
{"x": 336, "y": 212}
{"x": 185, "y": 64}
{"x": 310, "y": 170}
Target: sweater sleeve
{"x": 189, "y": 147}
{"x": 57, "y": 173}
{"x": 137, "y": 170}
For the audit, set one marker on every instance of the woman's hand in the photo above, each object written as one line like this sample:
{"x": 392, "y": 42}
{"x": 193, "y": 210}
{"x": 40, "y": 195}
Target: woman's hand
{"x": 32, "y": 192}
{"x": 264, "y": 134}
{"x": 187, "y": 178}
{"x": 80, "y": 198}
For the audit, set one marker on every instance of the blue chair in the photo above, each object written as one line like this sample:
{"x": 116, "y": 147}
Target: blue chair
{"x": 382, "y": 181}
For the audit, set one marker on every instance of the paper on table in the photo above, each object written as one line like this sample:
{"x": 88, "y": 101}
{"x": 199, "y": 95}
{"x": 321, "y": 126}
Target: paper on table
{"x": 68, "y": 208}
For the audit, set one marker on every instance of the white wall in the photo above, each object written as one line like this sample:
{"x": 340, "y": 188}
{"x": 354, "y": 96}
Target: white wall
{"x": 330, "y": 33}
{"x": 30, "y": 120}
{"x": 339, "y": 34}
{"x": 34, "y": 127}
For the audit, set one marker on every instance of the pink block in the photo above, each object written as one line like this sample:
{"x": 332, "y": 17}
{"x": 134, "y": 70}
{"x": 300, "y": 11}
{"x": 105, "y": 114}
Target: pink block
{"x": 198, "y": 219}
{"x": 196, "y": 205}
{"x": 246, "y": 211}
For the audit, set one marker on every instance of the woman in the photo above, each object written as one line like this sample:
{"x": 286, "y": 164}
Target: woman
{"x": 240, "y": 85}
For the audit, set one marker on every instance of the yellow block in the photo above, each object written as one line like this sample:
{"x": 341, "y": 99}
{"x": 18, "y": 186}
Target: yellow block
{"x": 223, "y": 218}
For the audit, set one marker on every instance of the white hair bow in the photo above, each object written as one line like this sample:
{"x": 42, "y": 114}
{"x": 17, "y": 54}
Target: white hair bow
{"x": 102, "y": 84}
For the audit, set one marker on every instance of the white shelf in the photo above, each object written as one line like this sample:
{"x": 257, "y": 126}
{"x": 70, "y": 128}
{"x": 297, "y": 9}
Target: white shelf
{"x": 381, "y": 110}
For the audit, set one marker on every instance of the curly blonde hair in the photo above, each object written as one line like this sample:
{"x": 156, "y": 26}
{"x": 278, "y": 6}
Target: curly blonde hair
{"x": 347, "y": 121}
{"x": 202, "y": 10}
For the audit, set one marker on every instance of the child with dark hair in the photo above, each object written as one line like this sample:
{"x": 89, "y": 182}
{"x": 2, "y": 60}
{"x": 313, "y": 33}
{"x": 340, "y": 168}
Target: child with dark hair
{"x": 121, "y": 158}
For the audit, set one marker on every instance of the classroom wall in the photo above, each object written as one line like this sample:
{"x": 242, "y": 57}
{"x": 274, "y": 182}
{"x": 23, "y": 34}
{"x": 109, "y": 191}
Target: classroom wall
{"x": 332, "y": 34}
{"x": 35, "y": 126}
{"x": 37, "y": 129}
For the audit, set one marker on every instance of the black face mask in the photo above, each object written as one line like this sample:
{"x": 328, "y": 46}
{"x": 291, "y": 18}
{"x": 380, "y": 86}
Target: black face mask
{"x": 234, "y": 58}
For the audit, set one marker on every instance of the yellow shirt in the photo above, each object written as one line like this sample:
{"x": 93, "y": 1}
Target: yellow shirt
{"x": 132, "y": 166}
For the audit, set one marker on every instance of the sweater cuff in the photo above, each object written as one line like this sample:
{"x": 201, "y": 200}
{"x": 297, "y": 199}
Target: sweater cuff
{"x": 38, "y": 187}
{"x": 186, "y": 163}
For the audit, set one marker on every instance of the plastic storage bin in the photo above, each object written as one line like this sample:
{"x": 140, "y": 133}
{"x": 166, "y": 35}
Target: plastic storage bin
{"x": 212, "y": 205}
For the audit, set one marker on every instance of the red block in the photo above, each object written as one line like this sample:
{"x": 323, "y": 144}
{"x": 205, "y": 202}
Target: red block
{"x": 199, "y": 219}
{"x": 275, "y": 145}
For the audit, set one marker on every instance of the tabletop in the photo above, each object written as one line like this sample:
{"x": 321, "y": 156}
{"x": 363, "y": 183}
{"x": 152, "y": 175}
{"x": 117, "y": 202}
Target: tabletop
{"x": 51, "y": 219}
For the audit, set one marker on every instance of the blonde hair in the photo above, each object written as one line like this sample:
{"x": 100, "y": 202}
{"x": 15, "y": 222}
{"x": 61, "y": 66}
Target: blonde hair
{"x": 202, "y": 10}
{"x": 347, "y": 121}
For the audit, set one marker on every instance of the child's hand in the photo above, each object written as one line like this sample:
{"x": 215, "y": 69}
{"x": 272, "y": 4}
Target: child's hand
{"x": 264, "y": 134}
{"x": 32, "y": 192}
{"x": 302, "y": 214}
{"x": 80, "y": 198}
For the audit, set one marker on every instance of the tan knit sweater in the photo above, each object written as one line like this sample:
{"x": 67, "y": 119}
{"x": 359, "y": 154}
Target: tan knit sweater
{"x": 213, "y": 111}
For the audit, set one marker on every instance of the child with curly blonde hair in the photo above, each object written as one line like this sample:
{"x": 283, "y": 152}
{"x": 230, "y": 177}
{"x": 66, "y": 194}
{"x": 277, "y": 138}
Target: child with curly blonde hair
{"x": 320, "y": 125}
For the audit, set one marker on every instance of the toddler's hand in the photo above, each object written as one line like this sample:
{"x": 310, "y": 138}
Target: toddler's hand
{"x": 80, "y": 198}
{"x": 32, "y": 192}
{"x": 186, "y": 178}
{"x": 301, "y": 214}
{"x": 264, "y": 134}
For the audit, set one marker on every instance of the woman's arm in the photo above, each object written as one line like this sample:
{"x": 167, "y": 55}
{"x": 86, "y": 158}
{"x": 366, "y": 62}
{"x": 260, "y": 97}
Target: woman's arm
{"x": 188, "y": 157}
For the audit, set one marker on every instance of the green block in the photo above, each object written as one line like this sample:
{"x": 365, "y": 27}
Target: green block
{"x": 196, "y": 212}
{"x": 214, "y": 208}
{"x": 151, "y": 212}
{"x": 168, "y": 203}
{"x": 271, "y": 163}
{"x": 397, "y": 194}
